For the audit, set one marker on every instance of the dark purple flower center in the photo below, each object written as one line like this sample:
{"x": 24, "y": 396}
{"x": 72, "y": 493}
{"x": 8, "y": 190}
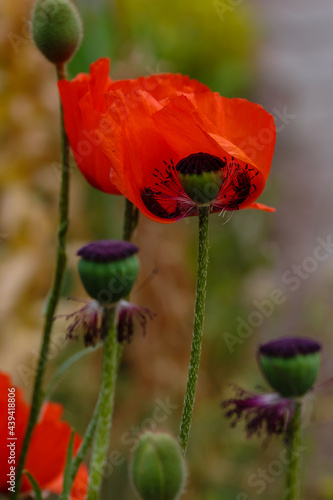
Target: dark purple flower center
{"x": 289, "y": 347}
{"x": 198, "y": 163}
{"x": 107, "y": 250}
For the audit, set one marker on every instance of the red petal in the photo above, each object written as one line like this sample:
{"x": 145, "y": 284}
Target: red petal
{"x": 48, "y": 447}
{"x": 246, "y": 124}
{"x": 261, "y": 206}
{"x": 46, "y": 457}
{"x": 99, "y": 81}
{"x": 188, "y": 131}
{"x": 143, "y": 147}
{"x": 123, "y": 131}
{"x": 82, "y": 101}
{"x": 79, "y": 487}
{"x": 21, "y": 418}
{"x": 84, "y": 106}
{"x": 158, "y": 86}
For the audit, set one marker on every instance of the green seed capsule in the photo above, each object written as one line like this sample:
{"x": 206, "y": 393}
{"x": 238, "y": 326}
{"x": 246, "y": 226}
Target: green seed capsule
{"x": 201, "y": 176}
{"x": 56, "y": 29}
{"x": 108, "y": 269}
{"x": 291, "y": 365}
{"x": 202, "y": 188}
{"x": 157, "y": 468}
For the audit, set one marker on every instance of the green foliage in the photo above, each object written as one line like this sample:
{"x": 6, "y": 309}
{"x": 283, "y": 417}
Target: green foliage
{"x": 187, "y": 37}
{"x": 35, "y": 487}
{"x": 192, "y": 38}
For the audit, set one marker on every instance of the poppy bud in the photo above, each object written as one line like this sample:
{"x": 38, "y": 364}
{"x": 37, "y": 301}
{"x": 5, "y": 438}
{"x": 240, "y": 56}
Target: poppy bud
{"x": 157, "y": 468}
{"x": 108, "y": 269}
{"x": 201, "y": 176}
{"x": 290, "y": 365}
{"x": 56, "y": 29}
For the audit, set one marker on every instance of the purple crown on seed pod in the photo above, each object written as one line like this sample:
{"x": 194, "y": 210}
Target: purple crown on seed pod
{"x": 108, "y": 269}
{"x": 289, "y": 347}
{"x": 107, "y": 250}
{"x": 290, "y": 364}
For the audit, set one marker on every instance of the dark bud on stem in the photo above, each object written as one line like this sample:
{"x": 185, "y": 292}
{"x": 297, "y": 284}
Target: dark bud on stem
{"x": 157, "y": 468}
{"x": 290, "y": 364}
{"x": 201, "y": 176}
{"x": 56, "y": 29}
{"x": 108, "y": 269}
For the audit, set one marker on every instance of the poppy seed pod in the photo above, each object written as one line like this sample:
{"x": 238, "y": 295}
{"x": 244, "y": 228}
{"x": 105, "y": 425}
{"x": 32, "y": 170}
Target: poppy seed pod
{"x": 157, "y": 468}
{"x": 108, "y": 269}
{"x": 290, "y": 365}
{"x": 56, "y": 29}
{"x": 201, "y": 176}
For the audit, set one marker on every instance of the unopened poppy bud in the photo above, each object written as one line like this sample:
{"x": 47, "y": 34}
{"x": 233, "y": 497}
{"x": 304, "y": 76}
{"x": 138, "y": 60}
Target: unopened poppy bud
{"x": 56, "y": 29}
{"x": 157, "y": 468}
{"x": 201, "y": 176}
{"x": 108, "y": 269}
{"x": 290, "y": 365}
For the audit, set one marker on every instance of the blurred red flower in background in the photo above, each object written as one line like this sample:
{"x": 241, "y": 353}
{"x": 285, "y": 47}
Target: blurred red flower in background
{"x": 46, "y": 457}
{"x": 130, "y": 136}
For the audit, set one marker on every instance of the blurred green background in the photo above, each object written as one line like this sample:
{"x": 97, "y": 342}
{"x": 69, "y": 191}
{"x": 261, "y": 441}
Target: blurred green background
{"x": 143, "y": 38}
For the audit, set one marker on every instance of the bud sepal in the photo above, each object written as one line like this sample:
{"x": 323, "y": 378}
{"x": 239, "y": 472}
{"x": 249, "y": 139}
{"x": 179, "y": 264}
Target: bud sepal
{"x": 201, "y": 176}
{"x": 56, "y": 29}
{"x": 157, "y": 468}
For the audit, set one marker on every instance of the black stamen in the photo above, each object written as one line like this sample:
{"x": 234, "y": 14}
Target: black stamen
{"x": 149, "y": 198}
{"x": 167, "y": 199}
{"x": 169, "y": 194}
{"x": 236, "y": 187}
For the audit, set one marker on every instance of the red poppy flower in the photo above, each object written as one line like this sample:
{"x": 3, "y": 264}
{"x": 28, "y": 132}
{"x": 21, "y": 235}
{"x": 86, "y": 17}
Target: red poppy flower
{"x": 85, "y": 115}
{"x": 48, "y": 447}
{"x": 155, "y": 133}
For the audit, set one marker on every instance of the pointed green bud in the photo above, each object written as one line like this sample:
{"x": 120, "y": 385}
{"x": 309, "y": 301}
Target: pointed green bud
{"x": 157, "y": 468}
{"x": 290, "y": 364}
{"x": 56, "y": 29}
{"x": 201, "y": 176}
{"x": 108, "y": 269}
